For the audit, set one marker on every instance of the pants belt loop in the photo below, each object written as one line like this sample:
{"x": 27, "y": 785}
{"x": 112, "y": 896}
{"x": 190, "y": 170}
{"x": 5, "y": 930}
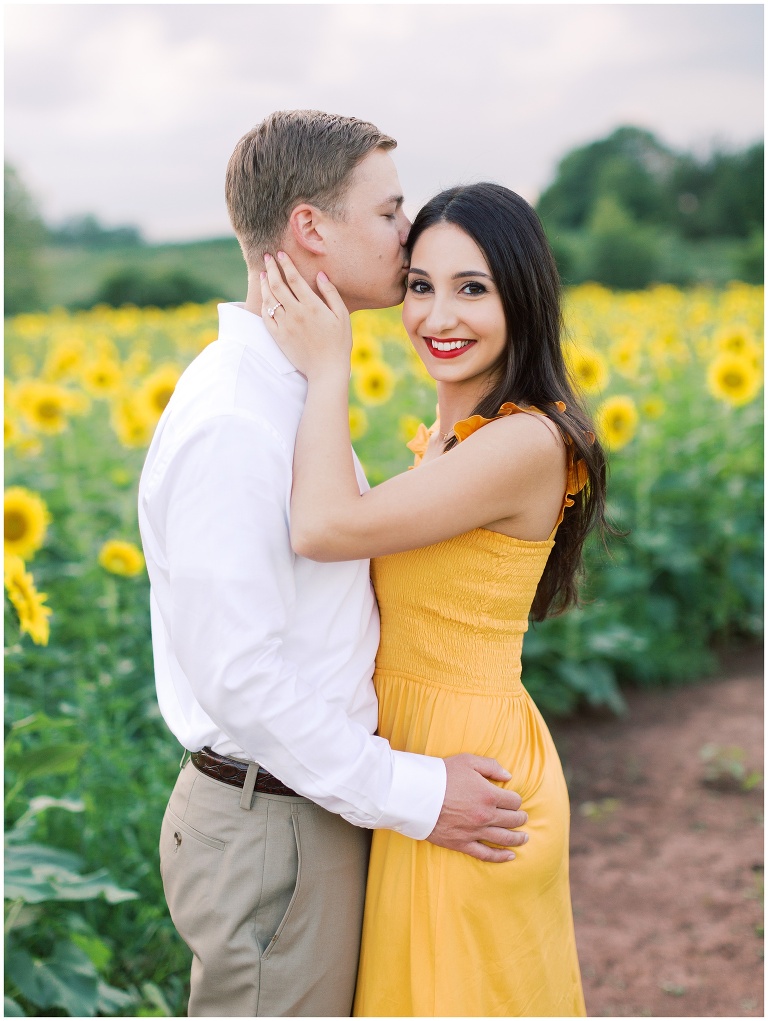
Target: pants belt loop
{"x": 185, "y": 753}
{"x": 248, "y": 786}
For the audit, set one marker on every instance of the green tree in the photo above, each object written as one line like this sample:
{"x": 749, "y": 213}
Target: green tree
{"x": 622, "y": 254}
{"x": 24, "y": 237}
{"x": 720, "y": 197}
{"x": 630, "y": 164}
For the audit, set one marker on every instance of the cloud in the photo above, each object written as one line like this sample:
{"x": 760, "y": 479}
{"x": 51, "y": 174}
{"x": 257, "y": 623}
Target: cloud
{"x": 131, "y": 111}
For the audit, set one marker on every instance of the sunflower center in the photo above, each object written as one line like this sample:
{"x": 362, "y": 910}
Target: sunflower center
{"x": 162, "y": 397}
{"x": 48, "y": 410}
{"x": 733, "y": 380}
{"x": 16, "y": 525}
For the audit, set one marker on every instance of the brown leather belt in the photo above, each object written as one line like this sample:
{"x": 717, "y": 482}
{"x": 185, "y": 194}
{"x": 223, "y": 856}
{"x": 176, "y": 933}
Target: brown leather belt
{"x": 233, "y": 772}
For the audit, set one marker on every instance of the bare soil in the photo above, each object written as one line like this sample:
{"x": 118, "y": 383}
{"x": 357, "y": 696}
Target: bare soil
{"x": 667, "y": 848}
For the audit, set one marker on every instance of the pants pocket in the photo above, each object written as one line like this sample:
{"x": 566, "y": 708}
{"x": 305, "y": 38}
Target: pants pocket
{"x": 190, "y": 865}
{"x": 294, "y": 894}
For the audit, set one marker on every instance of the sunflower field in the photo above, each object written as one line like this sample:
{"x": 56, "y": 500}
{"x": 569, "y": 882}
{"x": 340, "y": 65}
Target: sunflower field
{"x": 674, "y": 380}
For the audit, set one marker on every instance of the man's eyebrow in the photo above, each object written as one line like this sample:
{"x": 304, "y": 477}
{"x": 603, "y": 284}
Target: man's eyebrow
{"x": 397, "y": 199}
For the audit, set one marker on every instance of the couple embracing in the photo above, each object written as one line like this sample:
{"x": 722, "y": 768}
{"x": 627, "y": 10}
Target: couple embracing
{"x": 262, "y": 538}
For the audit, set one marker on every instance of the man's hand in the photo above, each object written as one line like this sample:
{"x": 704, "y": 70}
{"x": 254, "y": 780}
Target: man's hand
{"x": 475, "y": 809}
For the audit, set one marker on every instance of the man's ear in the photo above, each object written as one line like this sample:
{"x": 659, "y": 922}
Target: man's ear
{"x": 306, "y": 224}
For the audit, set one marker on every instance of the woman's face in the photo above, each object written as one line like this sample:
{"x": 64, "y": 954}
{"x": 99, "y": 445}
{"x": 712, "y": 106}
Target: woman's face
{"x": 452, "y": 310}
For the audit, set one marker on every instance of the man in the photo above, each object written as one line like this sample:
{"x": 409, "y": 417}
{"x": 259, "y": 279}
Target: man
{"x": 263, "y": 659}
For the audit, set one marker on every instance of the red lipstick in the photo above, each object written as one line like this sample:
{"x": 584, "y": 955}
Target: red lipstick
{"x": 464, "y": 345}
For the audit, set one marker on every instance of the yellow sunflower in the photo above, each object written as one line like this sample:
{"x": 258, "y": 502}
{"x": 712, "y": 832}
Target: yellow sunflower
{"x": 375, "y": 383}
{"x": 653, "y": 407}
{"x": 11, "y": 431}
{"x": 123, "y": 558}
{"x": 137, "y": 363}
{"x": 63, "y": 360}
{"x": 26, "y": 521}
{"x": 131, "y": 421}
{"x": 407, "y": 427}
{"x": 358, "y": 422}
{"x": 617, "y": 420}
{"x": 27, "y": 601}
{"x": 589, "y": 369}
{"x": 365, "y": 350}
{"x": 102, "y": 377}
{"x": 737, "y": 339}
{"x": 45, "y": 406}
{"x": 157, "y": 389}
{"x": 734, "y": 378}
{"x": 667, "y": 348}
{"x": 625, "y": 356}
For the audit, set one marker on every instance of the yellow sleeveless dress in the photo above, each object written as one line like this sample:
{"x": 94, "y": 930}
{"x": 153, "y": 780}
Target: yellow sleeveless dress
{"x": 444, "y": 934}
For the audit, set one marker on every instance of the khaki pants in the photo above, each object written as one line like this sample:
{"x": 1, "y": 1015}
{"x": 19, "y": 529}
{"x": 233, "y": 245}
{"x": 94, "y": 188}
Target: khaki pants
{"x": 268, "y": 897}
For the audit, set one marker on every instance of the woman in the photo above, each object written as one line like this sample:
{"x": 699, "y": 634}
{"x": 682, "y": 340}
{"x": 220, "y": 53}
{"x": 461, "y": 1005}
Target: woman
{"x": 464, "y": 549}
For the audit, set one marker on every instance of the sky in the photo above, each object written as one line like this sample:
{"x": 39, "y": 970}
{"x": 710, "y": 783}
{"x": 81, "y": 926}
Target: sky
{"x": 131, "y": 111}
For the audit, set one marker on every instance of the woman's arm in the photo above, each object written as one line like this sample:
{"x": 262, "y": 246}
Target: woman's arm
{"x": 498, "y": 473}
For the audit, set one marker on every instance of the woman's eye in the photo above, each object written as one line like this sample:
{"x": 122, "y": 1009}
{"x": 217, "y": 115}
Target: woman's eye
{"x": 418, "y": 286}
{"x": 473, "y": 288}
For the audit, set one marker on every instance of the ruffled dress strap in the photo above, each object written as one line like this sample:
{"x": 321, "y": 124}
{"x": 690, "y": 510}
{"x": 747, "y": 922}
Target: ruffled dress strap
{"x": 577, "y": 470}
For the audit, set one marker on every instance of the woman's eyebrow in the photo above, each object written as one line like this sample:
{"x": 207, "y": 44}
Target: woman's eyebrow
{"x": 456, "y": 276}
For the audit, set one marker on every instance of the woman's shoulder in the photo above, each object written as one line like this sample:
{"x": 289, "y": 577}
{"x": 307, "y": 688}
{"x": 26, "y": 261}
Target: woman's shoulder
{"x": 527, "y": 424}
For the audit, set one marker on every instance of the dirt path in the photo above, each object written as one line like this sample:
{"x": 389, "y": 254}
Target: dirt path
{"x": 667, "y": 849}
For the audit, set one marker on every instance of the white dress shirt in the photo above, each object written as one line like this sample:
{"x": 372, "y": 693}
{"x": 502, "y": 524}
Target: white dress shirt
{"x": 261, "y": 654}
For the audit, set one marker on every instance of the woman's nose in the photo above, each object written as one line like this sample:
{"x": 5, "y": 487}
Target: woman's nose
{"x": 441, "y": 316}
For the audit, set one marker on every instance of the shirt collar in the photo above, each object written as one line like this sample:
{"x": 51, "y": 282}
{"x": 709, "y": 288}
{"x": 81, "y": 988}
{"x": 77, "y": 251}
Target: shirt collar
{"x": 237, "y": 323}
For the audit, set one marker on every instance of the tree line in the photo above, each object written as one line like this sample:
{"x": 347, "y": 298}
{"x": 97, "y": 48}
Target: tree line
{"x": 625, "y": 210}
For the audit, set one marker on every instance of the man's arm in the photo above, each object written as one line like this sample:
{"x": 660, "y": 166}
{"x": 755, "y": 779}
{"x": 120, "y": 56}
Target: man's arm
{"x": 222, "y": 503}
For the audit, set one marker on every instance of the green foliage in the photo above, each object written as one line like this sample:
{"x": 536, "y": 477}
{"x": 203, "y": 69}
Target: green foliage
{"x": 23, "y": 240}
{"x": 721, "y": 196}
{"x": 58, "y": 964}
{"x": 168, "y": 288}
{"x": 621, "y": 254}
{"x": 87, "y": 232}
{"x": 688, "y": 573}
{"x": 75, "y": 274}
{"x": 627, "y": 210}
{"x": 751, "y": 259}
{"x": 630, "y": 165}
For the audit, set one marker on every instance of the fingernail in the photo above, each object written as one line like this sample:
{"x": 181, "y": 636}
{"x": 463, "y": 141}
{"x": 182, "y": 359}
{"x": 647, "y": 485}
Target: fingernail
{"x": 510, "y": 857}
{"x": 263, "y": 274}
{"x": 281, "y": 255}
{"x": 507, "y": 775}
{"x": 321, "y": 276}
{"x": 526, "y": 838}
{"x": 267, "y": 257}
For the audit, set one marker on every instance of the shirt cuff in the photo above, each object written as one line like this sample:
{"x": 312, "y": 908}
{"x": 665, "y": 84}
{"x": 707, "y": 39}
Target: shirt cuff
{"x": 416, "y": 796}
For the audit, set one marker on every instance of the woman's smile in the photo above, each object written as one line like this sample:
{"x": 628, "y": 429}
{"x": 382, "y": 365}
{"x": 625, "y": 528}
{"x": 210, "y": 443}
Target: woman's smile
{"x": 450, "y": 347}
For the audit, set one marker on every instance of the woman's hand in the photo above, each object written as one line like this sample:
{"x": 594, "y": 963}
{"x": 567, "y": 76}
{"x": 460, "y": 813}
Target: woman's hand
{"x": 313, "y": 332}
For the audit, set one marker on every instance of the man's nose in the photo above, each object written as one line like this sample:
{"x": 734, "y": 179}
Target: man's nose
{"x": 405, "y": 229}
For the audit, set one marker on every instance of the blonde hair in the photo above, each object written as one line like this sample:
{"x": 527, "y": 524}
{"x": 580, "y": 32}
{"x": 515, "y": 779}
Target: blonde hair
{"x": 293, "y": 156}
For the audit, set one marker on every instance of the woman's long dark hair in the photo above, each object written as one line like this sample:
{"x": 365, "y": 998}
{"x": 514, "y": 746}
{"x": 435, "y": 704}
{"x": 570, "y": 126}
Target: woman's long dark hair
{"x": 532, "y": 370}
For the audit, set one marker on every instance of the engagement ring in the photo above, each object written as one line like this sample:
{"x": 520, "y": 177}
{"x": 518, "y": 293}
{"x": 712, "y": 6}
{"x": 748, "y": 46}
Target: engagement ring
{"x": 271, "y": 311}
